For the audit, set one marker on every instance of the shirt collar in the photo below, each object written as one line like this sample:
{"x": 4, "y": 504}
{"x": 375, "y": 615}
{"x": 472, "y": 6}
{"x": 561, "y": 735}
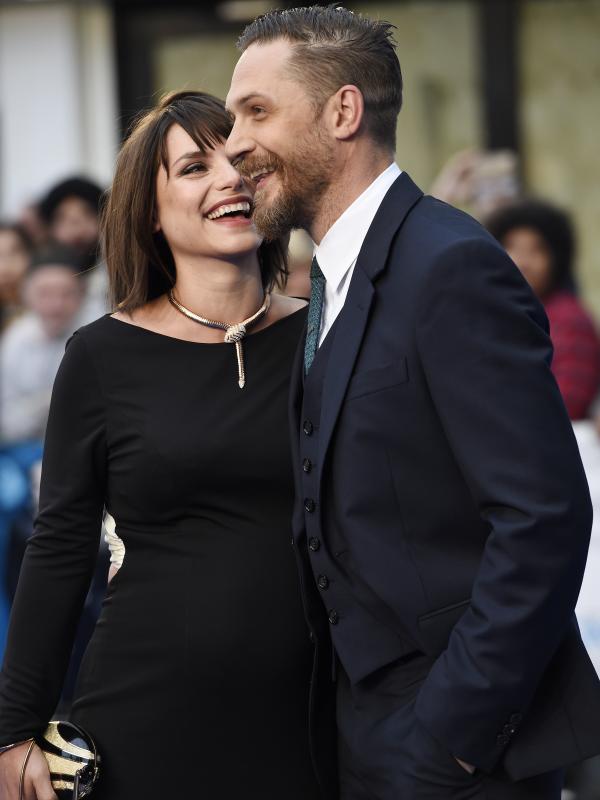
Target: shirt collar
{"x": 341, "y": 245}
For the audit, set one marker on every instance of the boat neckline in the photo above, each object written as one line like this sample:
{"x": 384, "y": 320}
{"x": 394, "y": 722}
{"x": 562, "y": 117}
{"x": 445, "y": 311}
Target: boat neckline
{"x": 250, "y": 335}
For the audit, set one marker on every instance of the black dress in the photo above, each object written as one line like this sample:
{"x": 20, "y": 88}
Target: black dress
{"x": 195, "y": 683}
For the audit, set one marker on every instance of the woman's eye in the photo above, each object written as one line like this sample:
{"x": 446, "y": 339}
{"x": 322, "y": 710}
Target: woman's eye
{"x": 198, "y": 167}
{"x": 258, "y": 110}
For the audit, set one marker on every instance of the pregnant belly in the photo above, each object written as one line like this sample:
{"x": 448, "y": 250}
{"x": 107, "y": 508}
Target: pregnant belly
{"x": 202, "y": 619}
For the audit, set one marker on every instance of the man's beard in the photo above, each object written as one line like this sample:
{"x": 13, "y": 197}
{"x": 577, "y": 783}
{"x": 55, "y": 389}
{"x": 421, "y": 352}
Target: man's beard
{"x": 303, "y": 178}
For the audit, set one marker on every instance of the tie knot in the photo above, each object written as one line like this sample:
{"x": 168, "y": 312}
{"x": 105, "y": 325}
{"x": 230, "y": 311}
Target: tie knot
{"x": 315, "y": 271}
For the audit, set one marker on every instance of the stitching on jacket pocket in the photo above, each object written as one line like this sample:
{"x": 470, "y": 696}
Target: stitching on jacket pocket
{"x": 443, "y": 610}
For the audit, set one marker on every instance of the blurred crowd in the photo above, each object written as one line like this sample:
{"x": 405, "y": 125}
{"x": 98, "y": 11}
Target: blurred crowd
{"x": 52, "y": 281}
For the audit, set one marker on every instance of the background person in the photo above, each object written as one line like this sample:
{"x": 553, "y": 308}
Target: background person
{"x": 71, "y": 211}
{"x": 540, "y": 240}
{"x": 32, "y": 348}
{"x": 15, "y": 255}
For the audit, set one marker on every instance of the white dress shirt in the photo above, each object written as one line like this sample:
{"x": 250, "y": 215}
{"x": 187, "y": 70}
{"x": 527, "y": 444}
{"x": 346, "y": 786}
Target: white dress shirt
{"x": 338, "y": 251}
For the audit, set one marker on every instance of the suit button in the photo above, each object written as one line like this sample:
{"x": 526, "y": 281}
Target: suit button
{"x": 311, "y": 637}
{"x": 515, "y": 719}
{"x": 307, "y": 427}
{"x": 502, "y": 739}
{"x": 314, "y": 544}
{"x": 334, "y": 617}
{"x": 508, "y": 730}
{"x": 322, "y": 581}
{"x": 307, "y": 465}
{"x": 309, "y": 505}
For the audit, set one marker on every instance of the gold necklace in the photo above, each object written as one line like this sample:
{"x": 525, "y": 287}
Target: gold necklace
{"x": 233, "y": 333}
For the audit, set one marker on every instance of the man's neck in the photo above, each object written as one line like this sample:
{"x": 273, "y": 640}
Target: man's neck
{"x": 355, "y": 175}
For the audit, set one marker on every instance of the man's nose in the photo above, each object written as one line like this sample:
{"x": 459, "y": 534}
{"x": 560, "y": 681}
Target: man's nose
{"x": 237, "y": 144}
{"x": 229, "y": 177}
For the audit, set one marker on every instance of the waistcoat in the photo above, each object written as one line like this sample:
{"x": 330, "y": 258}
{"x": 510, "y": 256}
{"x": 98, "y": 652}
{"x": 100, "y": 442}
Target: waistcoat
{"x": 362, "y": 639}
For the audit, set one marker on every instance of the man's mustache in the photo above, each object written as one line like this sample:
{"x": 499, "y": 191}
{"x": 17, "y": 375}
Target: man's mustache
{"x": 251, "y": 166}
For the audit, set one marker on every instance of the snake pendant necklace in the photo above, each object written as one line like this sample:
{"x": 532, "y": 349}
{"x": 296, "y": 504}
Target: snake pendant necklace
{"x": 233, "y": 333}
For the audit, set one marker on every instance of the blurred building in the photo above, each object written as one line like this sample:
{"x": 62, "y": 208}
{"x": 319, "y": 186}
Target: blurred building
{"x": 515, "y": 74}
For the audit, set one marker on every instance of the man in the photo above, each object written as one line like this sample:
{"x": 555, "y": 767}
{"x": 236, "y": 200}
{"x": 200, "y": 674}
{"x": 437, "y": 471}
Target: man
{"x": 443, "y": 513}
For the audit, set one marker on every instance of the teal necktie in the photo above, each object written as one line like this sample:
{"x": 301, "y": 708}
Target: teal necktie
{"x": 315, "y": 307}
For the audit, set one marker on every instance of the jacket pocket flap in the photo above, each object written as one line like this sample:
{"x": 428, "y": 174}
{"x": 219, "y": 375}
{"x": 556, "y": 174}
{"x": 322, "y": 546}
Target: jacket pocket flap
{"x": 436, "y": 626}
{"x": 373, "y": 380}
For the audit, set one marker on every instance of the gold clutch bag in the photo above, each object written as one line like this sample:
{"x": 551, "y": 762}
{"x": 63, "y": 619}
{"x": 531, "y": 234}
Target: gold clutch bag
{"x": 72, "y": 758}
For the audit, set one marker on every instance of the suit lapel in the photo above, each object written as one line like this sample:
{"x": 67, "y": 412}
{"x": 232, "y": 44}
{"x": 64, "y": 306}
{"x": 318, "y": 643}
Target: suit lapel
{"x": 352, "y": 321}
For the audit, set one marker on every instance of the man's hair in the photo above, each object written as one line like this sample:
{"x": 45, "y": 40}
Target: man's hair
{"x": 334, "y": 47}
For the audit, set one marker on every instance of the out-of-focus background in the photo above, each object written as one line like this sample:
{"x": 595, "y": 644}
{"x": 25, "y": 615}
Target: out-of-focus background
{"x": 501, "y": 117}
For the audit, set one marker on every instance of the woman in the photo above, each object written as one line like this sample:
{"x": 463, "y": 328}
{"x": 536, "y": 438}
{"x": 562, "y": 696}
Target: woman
{"x": 539, "y": 239}
{"x": 195, "y": 682}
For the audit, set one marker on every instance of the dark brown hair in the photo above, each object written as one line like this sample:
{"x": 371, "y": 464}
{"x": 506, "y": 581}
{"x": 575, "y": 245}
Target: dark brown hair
{"x": 139, "y": 261}
{"x": 333, "y": 47}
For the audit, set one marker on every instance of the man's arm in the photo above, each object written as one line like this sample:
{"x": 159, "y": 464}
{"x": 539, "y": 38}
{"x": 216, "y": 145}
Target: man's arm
{"x": 484, "y": 348}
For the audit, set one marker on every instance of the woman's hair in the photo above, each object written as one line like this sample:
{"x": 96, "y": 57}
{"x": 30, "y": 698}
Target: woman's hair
{"x": 139, "y": 261}
{"x": 551, "y": 223}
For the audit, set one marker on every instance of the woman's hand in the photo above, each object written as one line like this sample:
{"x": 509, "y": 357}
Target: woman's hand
{"x": 37, "y": 784}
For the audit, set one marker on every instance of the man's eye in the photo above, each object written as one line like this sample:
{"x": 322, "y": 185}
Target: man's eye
{"x": 258, "y": 110}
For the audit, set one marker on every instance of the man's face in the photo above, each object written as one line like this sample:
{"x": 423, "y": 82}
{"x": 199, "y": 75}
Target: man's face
{"x": 279, "y": 140}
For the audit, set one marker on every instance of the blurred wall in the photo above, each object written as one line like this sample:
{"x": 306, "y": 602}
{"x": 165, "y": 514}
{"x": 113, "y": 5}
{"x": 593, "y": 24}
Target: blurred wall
{"x": 58, "y": 106}
{"x": 560, "y": 118}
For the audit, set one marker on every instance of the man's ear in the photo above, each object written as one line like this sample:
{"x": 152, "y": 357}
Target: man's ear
{"x": 346, "y": 111}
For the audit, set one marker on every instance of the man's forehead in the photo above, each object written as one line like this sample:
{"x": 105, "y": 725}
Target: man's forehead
{"x": 259, "y": 71}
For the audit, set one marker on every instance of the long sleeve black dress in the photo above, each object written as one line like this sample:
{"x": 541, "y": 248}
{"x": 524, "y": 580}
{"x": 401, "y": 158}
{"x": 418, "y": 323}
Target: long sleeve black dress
{"x": 195, "y": 683}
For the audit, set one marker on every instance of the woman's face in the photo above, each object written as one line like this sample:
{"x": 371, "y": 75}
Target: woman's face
{"x": 532, "y": 256}
{"x": 203, "y": 204}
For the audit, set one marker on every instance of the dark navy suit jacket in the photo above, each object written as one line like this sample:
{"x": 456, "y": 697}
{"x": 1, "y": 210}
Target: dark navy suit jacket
{"x": 449, "y": 465}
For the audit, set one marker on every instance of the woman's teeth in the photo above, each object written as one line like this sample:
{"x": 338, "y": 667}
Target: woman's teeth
{"x": 229, "y": 209}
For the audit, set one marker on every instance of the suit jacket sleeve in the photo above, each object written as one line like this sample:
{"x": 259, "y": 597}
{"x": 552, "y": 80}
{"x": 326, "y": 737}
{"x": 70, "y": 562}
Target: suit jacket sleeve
{"x": 483, "y": 343}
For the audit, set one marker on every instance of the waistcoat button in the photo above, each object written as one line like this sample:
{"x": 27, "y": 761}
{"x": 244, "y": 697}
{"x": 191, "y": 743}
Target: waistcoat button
{"x": 307, "y": 427}
{"x": 314, "y": 544}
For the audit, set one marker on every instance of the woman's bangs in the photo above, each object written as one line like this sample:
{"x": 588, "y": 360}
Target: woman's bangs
{"x": 207, "y": 124}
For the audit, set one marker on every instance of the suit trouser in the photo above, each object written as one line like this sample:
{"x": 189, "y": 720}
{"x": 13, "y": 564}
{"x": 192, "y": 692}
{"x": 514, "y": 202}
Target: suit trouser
{"x": 386, "y": 754}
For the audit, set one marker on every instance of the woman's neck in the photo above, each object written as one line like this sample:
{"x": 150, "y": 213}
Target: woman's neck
{"x": 220, "y": 290}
